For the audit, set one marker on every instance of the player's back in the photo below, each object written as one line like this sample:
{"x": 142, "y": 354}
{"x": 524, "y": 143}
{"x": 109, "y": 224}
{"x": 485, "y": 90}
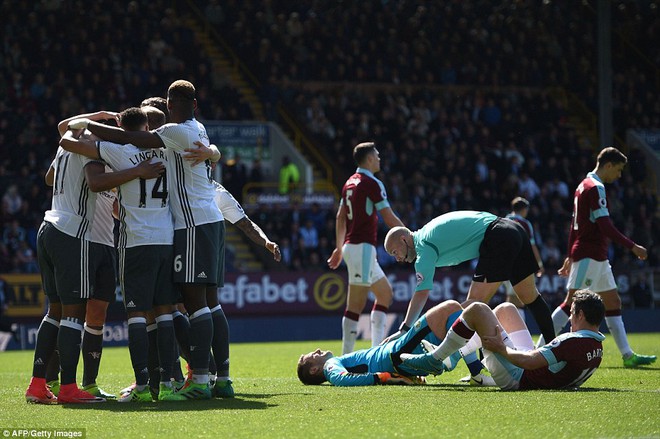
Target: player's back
{"x": 363, "y": 195}
{"x": 73, "y": 202}
{"x": 590, "y": 203}
{"x": 144, "y": 213}
{"x": 191, "y": 187}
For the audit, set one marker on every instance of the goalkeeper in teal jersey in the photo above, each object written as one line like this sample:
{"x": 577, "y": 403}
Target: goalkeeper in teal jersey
{"x": 382, "y": 364}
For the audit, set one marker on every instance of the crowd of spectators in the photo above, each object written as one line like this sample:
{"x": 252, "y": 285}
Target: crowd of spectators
{"x": 462, "y": 101}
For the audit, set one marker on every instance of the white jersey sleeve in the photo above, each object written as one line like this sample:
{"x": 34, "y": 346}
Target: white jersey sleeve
{"x": 103, "y": 223}
{"x": 191, "y": 187}
{"x": 230, "y": 208}
{"x": 144, "y": 212}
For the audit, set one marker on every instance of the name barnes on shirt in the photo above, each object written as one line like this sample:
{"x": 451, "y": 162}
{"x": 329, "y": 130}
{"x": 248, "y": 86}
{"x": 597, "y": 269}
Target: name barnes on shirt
{"x": 148, "y": 154}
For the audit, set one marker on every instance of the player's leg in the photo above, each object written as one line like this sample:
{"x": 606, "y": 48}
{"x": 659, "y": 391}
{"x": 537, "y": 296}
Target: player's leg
{"x": 138, "y": 347}
{"x": 511, "y": 322}
{"x": 359, "y": 260}
{"x": 383, "y": 292}
{"x": 511, "y": 297}
{"x": 223, "y": 384}
{"x": 530, "y": 296}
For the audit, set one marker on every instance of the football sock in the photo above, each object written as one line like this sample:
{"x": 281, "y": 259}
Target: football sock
{"x": 472, "y": 346}
{"x": 182, "y": 332}
{"x": 473, "y": 363}
{"x": 349, "y": 326}
{"x": 378, "y": 320}
{"x": 220, "y": 341}
{"x": 53, "y": 368}
{"x": 45, "y": 346}
{"x": 457, "y": 336}
{"x": 92, "y": 348}
{"x": 165, "y": 341}
{"x": 213, "y": 368}
{"x": 541, "y": 312}
{"x": 201, "y": 335}
{"x": 138, "y": 347}
{"x": 522, "y": 340}
{"x": 560, "y": 317}
{"x": 618, "y": 330}
{"x": 153, "y": 367}
{"x": 68, "y": 345}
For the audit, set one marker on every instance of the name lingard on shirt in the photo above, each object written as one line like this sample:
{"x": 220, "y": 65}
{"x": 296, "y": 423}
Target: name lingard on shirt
{"x": 147, "y": 154}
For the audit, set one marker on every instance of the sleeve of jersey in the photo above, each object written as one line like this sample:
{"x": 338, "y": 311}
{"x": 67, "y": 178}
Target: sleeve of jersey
{"x": 108, "y": 152}
{"x": 173, "y": 137}
{"x": 228, "y": 205}
{"x": 425, "y": 269}
{"x": 337, "y": 375}
{"x": 558, "y": 351}
{"x": 380, "y": 196}
{"x": 607, "y": 228}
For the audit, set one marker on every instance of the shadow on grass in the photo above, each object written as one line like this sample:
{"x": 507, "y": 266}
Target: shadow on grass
{"x": 179, "y": 406}
{"x": 466, "y": 388}
{"x": 647, "y": 368}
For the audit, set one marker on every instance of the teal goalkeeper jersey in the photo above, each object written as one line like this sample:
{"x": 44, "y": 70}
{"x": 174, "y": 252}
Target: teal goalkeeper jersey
{"x": 359, "y": 368}
{"x": 448, "y": 240}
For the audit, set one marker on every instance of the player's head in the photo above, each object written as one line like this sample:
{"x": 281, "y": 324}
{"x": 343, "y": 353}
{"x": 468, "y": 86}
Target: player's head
{"x": 181, "y": 98}
{"x": 590, "y": 305}
{"x": 155, "y": 117}
{"x": 157, "y": 102}
{"x": 310, "y": 367}
{"x": 399, "y": 243}
{"x": 133, "y": 119}
{"x": 610, "y": 163}
{"x": 520, "y": 206}
{"x": 366, "y": 156}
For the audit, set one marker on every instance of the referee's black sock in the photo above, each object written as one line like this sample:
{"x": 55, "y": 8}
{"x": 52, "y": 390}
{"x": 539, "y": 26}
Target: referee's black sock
{"x": 541, "y": 312}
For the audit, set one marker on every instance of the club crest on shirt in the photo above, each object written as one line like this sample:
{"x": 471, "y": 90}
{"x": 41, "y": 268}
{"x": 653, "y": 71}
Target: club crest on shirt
{"x": 602, "y": 202}
{"x": 554, "y": 343}
{"x": 420, "y": 278}
{"x": 588, "y": 282}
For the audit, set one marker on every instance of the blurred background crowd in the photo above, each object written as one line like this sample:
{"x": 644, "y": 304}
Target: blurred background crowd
{"x": 470, "y": 103}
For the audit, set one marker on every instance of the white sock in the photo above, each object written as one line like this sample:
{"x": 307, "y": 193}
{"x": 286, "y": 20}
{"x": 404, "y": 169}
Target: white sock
{"x": 451, "y": 344}
{"x": 618, "y": 331}
{"x": 349, "y": 334}
{"x": 522, "y": 340}
{"x": 378, "y": 319}
{"x": 200, "y": 379}
{"x": 471, "y": 346}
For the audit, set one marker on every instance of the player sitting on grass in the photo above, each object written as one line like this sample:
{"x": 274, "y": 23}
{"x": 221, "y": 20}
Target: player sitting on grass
{"x": 382, "y": 364}
{"x": 509, "y": 354}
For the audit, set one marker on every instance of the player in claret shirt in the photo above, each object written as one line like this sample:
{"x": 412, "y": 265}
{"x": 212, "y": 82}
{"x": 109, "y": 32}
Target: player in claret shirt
{"x": 509, "y": 354}
{"x": 586, "y": 265}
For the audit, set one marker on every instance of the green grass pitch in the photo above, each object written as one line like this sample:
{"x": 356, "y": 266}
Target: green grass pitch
{"x": 271, "y": 403}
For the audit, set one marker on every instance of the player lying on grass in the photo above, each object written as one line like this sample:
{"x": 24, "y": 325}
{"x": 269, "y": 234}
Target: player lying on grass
{"x": 509, "y": 354}
{"x": 382, "y": 364}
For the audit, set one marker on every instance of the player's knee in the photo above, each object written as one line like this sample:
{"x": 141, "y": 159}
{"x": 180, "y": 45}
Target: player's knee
{"x": 96, "y": 312}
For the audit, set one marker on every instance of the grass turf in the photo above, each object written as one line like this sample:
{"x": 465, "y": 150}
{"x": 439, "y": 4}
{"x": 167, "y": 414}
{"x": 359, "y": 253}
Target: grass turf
{"x": 271, "y": 402}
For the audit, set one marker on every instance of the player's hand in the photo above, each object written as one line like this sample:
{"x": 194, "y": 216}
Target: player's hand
{"x": 200, "y": 154}
{"x": 640, "y": 252}
{"x": 394, "y": 378}
{"x": 335, "y": 258}
{"x": 397, "y": 334}
{"x": 275, "y": 250}
{"x": 106, "y": 115}
{"x": 540, "y": 272}
{"x": 148, "y": 170}
{"x": 79, "y": 124}
{"x": 493, "y": 343}
{"x": 566, "y": 268}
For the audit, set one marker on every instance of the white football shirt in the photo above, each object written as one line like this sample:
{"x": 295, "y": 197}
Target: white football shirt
{"x": 230, "y": 208}
{"x": 144, "y": 212}
{"x": 103, "y": 223}
{"x": 192, "y": 189}
{"x": 73, "y": 202}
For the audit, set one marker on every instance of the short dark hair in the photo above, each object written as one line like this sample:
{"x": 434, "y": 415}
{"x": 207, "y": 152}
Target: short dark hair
{"x": 306, "y": 377}
{"x": 181, "y": 90}
{"x": 132, "y": 119}
{"x": 519, "y": 203}
{"x": 156, "y": 102}
{"x": 591, "y": 304}
{"x": 361, "y": 151}
{"x": 155, "y": 117}
{"x": 611, "y": 155}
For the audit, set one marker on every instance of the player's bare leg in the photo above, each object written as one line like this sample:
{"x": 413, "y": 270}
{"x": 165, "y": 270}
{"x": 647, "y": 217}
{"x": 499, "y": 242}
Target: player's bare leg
{"x": 530, "y": 296}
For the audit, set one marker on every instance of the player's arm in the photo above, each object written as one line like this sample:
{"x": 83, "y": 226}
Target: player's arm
{"x": 141, "y": 139}
{"x": 84, "y": 147}
{"x": 99, "y": 180}
{"x": 49, "y": 177}
{"x": 607, "y": 228}
{"x": 254, "y": 232}
{"x": 202, "y": 153}
{"x": 528, "y": 360}
{"x": 340, "y": 235}
{"x": 390, "y": 218}
{"x": 98, "y": 115}
{"x": 539, "y": 260}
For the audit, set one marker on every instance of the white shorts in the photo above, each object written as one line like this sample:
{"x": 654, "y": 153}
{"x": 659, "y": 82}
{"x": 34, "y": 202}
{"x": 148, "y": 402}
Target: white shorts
{"x": 592, "y": 274}
{"x": 363, "y": 268}
{"x": 506, "y": 374}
